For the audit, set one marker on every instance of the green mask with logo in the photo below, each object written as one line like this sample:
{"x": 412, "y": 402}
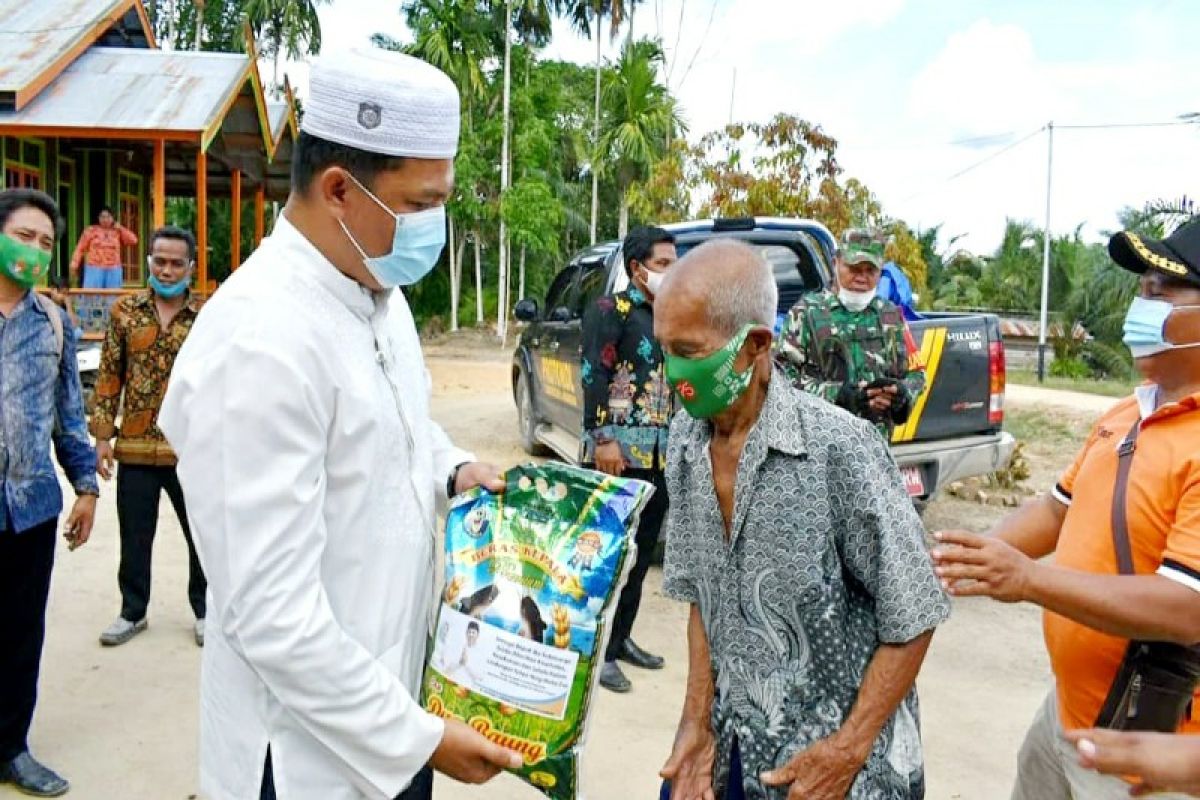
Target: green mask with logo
{"x": 21, "y": 263}
{"x": 709, "y": 385}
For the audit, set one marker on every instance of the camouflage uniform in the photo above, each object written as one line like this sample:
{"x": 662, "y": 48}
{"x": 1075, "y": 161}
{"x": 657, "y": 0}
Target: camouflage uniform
{"x": 828, "y": 350}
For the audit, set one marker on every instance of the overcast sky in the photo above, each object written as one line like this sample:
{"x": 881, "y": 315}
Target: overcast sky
{"x": 919, "y": 90}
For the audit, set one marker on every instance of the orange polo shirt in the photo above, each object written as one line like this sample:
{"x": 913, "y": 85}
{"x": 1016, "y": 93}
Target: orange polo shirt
{"x": 1163, "y": 509}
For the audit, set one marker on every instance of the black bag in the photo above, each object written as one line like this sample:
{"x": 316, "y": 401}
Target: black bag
{"x": 1155, "y": 684}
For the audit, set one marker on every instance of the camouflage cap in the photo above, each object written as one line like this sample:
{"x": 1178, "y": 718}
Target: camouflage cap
{"x": 861, "y": 246}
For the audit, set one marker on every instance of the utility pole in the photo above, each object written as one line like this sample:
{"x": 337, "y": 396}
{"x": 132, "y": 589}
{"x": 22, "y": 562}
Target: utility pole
{"x": 1046, "y": 256}
{"x": 732, "y": 95}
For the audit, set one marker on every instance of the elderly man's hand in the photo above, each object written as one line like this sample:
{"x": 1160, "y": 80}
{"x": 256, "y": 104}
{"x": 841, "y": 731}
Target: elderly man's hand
{"x": 970, "y": 565}
{"x": 609, "y": 459}
{"x": 1163, "y": 762}
{"x": 479, "y": 474}
{"x": 690, "y": 767}
{"x": 825, "y": 771}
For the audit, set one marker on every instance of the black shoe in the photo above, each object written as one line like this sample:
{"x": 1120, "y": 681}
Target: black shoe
{"x": 32, "y": 778}
{"x": 613, "y": 679}
{"x": 632, "y": 654}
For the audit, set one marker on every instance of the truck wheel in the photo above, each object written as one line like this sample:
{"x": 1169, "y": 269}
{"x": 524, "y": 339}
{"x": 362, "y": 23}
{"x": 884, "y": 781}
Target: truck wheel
{"x": 527, "y": 418}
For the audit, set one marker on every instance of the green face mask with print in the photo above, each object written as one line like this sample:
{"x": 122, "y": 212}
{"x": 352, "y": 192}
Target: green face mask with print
{"x": 22, "y": 264}
{"x": 709, "y": 385}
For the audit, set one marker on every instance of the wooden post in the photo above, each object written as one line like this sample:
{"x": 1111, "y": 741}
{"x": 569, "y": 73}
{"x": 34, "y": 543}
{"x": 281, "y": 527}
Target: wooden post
{"x": 160, "y": 183}
{"x": 202, "y": 222}
{"x": 235, "y": 235}
{"x": 260, "y": 213}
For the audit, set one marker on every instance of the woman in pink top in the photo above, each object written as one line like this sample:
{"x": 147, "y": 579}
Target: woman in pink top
{"x": 99, "y": 251}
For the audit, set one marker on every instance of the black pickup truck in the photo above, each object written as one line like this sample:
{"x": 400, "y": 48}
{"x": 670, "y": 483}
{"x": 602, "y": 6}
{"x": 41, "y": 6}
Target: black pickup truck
{"x": 956, "y": 427}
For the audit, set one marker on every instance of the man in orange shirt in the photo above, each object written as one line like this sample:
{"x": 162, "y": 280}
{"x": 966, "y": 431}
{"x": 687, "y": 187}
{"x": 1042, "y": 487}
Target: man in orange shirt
{"x": 1093, "y": 607}
{"x": 99, "y": 252}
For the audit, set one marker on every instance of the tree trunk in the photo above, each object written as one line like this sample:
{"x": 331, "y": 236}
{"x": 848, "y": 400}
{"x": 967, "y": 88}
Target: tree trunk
{"x": 454, "y": 275}
{"x": 623, "y": 224}
{"x": 502, "y": 304}
{"x": 478, "y": 282}
{"x": 458, "y": 278}
{"x": 199, "y": 21}
{"x": 521, "y": 279}
{"x": 596, "y": 135}
{"x": 171, "y": 12}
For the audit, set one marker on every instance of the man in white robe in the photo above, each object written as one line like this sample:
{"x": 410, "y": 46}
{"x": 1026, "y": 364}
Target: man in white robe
{"x": 299, "y": 408}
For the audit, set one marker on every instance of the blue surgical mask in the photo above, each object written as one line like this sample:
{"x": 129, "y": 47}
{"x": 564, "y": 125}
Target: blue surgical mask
{"x": 416, "y": 245}
{"x": 1145, "y": 327}
{"x": 168, "y": 290}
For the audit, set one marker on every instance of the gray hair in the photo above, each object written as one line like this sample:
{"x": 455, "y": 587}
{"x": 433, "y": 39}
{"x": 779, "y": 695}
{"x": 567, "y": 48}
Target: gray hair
{"x": 748, "y": 296}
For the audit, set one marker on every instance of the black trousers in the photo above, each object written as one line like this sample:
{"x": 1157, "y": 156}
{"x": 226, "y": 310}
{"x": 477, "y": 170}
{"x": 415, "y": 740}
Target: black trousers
{"x": 26, "y": 560}
{"x": 138, "y": 491}
{"x": 421, "y": 787}
{"x": 647, "y": 540}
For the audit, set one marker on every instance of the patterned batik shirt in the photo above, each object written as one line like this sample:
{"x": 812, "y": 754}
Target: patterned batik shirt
{"x": 824, "y": 345}
{"x": 826, "y": 562}
{"x": 626, "y": 397}
{"x": 137, "y": 360}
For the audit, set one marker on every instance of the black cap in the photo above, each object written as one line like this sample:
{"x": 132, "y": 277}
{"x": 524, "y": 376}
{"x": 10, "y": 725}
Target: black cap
{"x": 1177, "y": 256}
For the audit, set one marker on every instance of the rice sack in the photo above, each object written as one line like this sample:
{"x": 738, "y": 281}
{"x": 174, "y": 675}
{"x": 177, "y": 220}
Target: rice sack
{"x": 532, "y": 579}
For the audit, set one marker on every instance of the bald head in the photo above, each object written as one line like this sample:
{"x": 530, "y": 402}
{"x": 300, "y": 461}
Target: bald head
{"x": 723, "y": 284}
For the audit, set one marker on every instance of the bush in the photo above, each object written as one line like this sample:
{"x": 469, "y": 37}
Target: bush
{"x": 1069, "y": 367}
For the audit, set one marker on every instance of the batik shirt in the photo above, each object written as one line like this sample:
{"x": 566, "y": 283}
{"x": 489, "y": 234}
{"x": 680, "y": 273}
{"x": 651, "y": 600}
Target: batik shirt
{"x": 826, "y": 562}
{"x": 824, "y": 345}
{"x": 626, "y": 397}
{"x": 136, "y": 362}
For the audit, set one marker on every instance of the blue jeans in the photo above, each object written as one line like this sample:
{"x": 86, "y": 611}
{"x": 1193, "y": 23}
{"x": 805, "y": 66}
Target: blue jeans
{"x": 103, "y": 277}
{"x": 733, "y": 789}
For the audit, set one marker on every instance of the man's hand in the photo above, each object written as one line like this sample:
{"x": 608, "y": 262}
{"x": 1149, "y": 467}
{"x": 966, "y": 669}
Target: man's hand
{"x": 825, "y": 771}
{"x": 1163, "y": 762}
{"x": 970, "y": 565}
{"x": 880, "y": 399}
{"x": 690, "y": 767}
{"x": 609, "y": 459}
{"x": 78, "y": 528}
{"x": 468, "y": 757}
{"x": 478, "y": 473}
{"x": 104, "y": 459}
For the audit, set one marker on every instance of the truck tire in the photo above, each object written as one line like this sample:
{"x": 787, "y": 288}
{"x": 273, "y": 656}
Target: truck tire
{"x": 527, "y": 418}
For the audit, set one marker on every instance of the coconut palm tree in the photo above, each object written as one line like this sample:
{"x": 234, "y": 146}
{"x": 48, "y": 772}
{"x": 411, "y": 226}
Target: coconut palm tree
{"x": 290, "y": 27}
{"x": 640, "y": 116}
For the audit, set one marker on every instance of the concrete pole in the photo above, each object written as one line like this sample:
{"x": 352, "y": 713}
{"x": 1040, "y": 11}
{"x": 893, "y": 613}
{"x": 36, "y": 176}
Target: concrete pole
{"x": 502, "y": 306}
{"x": 1046, "y": 256}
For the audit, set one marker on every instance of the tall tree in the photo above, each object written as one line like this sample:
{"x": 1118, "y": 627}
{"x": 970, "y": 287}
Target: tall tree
{"x": 639, "y": 118}
{"x": 286, "y": 27}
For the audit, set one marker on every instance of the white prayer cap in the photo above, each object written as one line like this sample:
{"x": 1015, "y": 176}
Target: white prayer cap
{"x": 382, "y": 102}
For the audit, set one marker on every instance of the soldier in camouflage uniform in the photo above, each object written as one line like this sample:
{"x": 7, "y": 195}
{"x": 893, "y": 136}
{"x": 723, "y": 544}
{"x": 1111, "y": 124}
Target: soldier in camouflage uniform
{"x": 852, "y": 347}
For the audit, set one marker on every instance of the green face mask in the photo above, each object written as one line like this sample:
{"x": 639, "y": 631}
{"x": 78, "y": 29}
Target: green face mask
{"x": 709, "y": 385}
{"x": 22, "y": 264}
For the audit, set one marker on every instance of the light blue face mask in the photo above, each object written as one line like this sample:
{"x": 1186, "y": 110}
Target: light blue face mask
{"x": 167, "y": 290}
{"x": 416, "y": 245}
{"x": 1145, "y": 327}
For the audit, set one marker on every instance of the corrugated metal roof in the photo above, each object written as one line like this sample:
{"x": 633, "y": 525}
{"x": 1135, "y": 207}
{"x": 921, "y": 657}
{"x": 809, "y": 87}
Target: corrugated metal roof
{"x": 135, "y": 90}
{"x": 277, "y": 113}
{"x": 36, "y": 33}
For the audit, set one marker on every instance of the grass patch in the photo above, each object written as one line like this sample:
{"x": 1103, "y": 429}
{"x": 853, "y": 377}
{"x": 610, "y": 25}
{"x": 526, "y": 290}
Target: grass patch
{"x": 1107, "y": 387}
{"x": 1047, "y": 428}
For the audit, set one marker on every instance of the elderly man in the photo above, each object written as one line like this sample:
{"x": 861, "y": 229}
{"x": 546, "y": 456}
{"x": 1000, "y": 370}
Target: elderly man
{"x": 851, "y": 346}
{"x": 299, "y": 408}
{"x": 813, "y": 599}
{"x": 1122, "y": 594}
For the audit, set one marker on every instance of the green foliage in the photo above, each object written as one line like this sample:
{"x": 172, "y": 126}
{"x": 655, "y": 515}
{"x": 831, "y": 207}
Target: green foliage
{"x": 1070, "y": 367}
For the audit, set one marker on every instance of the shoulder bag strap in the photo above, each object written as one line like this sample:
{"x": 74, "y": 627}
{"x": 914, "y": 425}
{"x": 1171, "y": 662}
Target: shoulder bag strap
{"x": 1120, "y": 522}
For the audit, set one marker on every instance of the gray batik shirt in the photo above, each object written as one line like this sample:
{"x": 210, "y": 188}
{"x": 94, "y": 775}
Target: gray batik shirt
{"x": 827, "y": 561}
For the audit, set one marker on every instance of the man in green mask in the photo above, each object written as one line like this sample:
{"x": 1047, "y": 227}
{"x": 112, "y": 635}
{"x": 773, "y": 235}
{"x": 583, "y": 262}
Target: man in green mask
{"x": 813, "y": 599}
{"x": 42, "y": 399}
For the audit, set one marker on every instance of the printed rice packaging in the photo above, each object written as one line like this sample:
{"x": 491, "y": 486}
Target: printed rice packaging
{"x": 532, "y": 580}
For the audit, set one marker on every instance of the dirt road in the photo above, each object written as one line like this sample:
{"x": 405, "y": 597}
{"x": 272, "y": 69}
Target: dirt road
{"x": 121, "y": 724}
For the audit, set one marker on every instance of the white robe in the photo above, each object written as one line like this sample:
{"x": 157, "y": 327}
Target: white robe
{"x": 313, "y": 516}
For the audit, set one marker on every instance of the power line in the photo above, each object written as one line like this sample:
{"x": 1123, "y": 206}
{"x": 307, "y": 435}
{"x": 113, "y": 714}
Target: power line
{"x": 976, "y": 164}
{"x": 1112, "y": 125}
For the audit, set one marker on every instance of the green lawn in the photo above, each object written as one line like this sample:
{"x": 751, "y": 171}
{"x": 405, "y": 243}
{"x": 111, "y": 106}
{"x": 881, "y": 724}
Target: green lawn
{"x": 1108, "y": 388}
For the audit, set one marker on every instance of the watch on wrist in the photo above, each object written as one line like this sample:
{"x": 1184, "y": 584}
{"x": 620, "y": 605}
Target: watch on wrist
{"x": 452, "y": 481}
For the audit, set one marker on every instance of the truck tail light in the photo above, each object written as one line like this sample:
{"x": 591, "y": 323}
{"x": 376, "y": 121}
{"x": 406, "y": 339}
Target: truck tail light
{"x": 997, "y": 374}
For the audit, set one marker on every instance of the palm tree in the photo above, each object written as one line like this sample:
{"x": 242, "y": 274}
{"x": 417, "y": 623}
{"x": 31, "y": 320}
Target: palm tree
{"x": 286, "y": 26}
{"x": 640, "y": 117}
{"x": 583, "y": 15}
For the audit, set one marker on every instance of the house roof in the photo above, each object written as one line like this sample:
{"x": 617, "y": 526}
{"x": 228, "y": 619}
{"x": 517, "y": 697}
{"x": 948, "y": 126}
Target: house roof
{"x": 121, "y": 91}
{"x": 41, "y": 38}
{"x": 282, "y": 116}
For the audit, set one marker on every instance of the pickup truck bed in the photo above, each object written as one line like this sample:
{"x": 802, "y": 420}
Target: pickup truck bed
{"x": 956, "y": 429}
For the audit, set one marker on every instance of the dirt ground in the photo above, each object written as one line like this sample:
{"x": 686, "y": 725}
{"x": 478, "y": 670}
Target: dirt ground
{"x": 122, "y": 723}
